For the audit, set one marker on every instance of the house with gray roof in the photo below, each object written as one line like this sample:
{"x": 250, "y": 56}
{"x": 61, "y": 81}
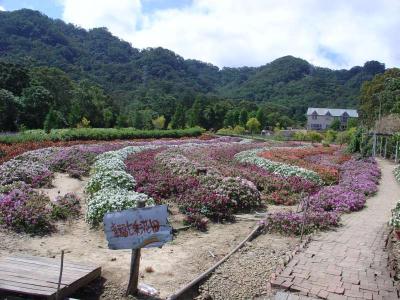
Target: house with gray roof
{"x": 322, "y": 118}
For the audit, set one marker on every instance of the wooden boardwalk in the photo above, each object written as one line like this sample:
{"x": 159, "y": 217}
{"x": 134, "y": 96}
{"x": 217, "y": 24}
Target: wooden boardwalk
{"x": 38, "y": 276}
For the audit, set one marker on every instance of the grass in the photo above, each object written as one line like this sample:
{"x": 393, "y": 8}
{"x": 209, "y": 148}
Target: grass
{"x": 39, "y": 135}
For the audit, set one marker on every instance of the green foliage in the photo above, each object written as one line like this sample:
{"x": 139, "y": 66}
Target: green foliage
{"x": 344, "y": 137}
{"x": 84, "y": 123}
{"x": 8, "y": 111}
{"x": 53, "y": 120}
{"x": 243, "y": 117}
{"x": 330, "y": 136}
{"x": 239, "y": 130}
{"x": 311, "y": 136}
{"x": 380, "y": 96}
{"x": 360, "y": 142}
{"x": 352, "y": 123}
{"x": 335, "y": 125}
{"x": 253, "y": 125}
{"x": 97, "y": 134}
{"x": 178, "y": 120}
{"x": 315, "y": 137}
{"x": 159, "y": 122}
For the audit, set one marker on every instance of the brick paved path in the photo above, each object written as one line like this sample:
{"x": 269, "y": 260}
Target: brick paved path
{"x": 350, "y": 263}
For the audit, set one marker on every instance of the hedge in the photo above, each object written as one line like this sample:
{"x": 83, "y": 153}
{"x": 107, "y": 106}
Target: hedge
{"x": 96, "y": 134}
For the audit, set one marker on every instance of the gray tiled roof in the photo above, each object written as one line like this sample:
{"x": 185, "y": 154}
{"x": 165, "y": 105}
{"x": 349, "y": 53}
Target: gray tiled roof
{"x": 335, "y": 112}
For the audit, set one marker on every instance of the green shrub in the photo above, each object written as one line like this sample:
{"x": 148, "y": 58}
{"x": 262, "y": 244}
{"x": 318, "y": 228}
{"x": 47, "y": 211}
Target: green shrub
{"x": 239, "y": 129}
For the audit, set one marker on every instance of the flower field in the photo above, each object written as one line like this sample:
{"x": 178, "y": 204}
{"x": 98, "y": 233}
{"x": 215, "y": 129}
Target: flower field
{"x": 207, "y": 180}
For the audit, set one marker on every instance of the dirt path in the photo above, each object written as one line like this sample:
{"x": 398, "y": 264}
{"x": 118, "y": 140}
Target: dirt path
{"x": 176, "y": 264}
{"x": 351, "y": 262}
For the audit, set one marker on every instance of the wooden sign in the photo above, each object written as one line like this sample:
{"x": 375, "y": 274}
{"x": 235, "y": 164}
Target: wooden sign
{"x": 138, "y": 228}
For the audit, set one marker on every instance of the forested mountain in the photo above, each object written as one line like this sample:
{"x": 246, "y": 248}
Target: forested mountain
{"x": 143, "y": 84}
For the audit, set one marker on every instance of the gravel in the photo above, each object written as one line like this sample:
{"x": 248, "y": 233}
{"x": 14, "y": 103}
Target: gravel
{"x": 245, "y": 274}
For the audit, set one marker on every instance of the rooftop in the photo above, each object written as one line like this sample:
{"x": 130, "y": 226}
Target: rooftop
{"x": 335, "y": 112}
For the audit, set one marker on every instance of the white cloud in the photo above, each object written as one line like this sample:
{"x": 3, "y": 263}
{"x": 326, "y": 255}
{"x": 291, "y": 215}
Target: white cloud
{"x": 2, "y": 8}
{"x": 240, "y": 32}
{"x": 119, "y": 16}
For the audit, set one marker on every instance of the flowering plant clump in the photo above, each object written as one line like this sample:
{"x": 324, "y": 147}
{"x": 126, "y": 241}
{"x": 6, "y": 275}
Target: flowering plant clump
{"x": 110, "y": 187}
{"x": 66, "y": 206}
{"x": 74, "y": 161}
{"x": 285, "y": 170}
{"x": 34, "y": 173}
{"x": 25, "y": 210}
{"x": 337, "y": 198}
{"x": 108, "y": 200}
{"x": 395, "y": 219}
{"x": 243, "y": 194}
{"x": 359, "y": 179}
{"x": 292, "y": 222}
{"x": 109, "y": 180}
{"x": 396, "y": 173}
{"x": 298, "y": 157}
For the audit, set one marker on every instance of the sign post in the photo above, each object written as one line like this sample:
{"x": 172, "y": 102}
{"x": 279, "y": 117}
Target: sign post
{"x": 135, "y": 262}
{"x": 141, "y": 227}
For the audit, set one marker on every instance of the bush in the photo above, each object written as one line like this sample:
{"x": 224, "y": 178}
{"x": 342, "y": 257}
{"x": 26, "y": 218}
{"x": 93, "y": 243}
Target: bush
{"x": 25, "y": 210}
{"x": 65, "y": 207}
{"x": 239, "y": 130}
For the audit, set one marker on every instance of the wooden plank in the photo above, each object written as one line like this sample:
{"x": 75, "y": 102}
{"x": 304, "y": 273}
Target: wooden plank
{"x": 31, "y": 289}
{"x": 15, "y": 278}
{"x": 83, "y": 281}
{"x": 22, "y": 290}
{"x": 53, "y": 261}
{"x": 54, "y": 264}
{"x": 38, "y": 274}
{"x": 32, "y": 265}
{"x": 52, "y": 272}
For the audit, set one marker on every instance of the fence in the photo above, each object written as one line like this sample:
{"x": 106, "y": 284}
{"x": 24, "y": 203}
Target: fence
{"x": 386, "y": 146}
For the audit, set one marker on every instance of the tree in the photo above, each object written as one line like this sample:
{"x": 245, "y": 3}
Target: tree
{"x": 178, "y": 120}
{"x": 243, "y": 117}
{"x": 36, "y": 101}
{"x": 53, "y": 120}
{"x": 380, "y": 96}
{"x": 196, "y": 114}
{"x": 335, "y": 125}
{"x": 138, "y": 120}
{"x": 231, "y": 118}
{"x": 253, "y": 125}
{"x": 159, "y": 122}
{"x": 261, "y": 117}
{"x": 8, "y": 111}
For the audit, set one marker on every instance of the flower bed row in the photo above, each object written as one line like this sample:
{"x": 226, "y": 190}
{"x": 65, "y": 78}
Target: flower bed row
{"x": 298, "y": 157}
{"x": 285, "y": 170}
{"x": 395, "y": 218}
{"x": 359, "y": 179}
{"x": 110, "y": 187}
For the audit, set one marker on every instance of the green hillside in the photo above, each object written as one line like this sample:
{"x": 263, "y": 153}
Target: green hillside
{"x": 131, "y": 86}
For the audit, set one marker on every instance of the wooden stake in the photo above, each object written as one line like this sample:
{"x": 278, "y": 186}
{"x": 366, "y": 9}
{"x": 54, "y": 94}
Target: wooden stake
{"x": 135, "y": 262}
{"x": 374, "y": 145}
{"x": 60, "y": 277}
{"x": 395, "y": 154}
{"x": 385, "y": 146}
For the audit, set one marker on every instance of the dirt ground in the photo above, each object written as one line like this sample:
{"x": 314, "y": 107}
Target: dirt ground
{"x": 176, "y": 264}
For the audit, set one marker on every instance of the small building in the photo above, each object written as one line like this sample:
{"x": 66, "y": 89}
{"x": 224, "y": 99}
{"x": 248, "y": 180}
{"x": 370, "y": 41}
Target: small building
{"x": 322, "y": 118}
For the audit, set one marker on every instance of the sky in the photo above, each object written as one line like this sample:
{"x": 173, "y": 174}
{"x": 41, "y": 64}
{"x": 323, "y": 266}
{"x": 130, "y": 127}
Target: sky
{"x": 232, "y": 33}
